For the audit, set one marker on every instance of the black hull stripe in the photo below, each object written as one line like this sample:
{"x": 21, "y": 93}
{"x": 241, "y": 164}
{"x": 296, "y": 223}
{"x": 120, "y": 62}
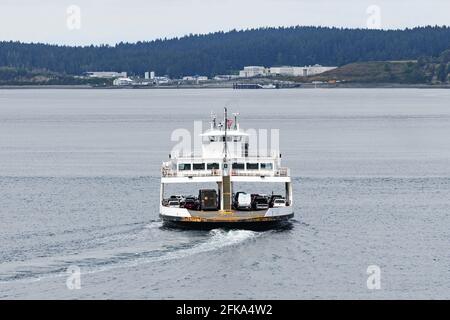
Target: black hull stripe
{"x": 251, "y": 224}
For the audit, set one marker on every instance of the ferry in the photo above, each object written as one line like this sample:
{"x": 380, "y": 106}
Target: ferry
{"x": 224, "y": 163}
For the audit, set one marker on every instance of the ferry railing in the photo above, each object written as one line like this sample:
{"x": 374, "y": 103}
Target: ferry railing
{"x": 200, "y": 173}
{"x": 279, "y": 172}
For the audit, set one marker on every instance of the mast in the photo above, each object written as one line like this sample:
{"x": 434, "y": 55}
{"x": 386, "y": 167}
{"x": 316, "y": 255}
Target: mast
{"x": 235, "y": 114}
{"x": 225, "y": 139}
{"x": 226, "y": 179}
{"x": 213, "y": 121}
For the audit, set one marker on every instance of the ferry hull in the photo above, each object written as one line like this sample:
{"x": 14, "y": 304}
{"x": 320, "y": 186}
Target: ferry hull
{"x": 248, "y": 224}
{"x": 261, "y": 219}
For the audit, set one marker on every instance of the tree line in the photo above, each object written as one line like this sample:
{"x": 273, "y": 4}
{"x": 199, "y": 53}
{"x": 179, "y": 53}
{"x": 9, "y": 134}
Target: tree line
{"x": 227, "y": 52}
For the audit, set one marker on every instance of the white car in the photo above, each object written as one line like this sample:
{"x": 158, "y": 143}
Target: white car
{"x": 244, "y": 201}
{"x": 279, "y": 202}
{"x": 179, "y": 197}
{"x": 174, "y": 203}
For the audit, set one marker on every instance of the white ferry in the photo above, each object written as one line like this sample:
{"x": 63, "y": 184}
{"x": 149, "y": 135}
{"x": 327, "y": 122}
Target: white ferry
{"x": 224, "y": 163}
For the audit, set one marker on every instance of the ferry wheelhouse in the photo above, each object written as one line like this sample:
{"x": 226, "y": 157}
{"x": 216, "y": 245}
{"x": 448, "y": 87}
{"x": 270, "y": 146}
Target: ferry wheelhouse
{"x": 225, "y": 162}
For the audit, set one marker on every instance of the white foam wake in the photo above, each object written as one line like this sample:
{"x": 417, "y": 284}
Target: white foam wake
{"x": 154, "y": 225}
{"x": 218, "y": 240}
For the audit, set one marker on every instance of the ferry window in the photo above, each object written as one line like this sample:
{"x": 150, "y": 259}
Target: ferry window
{"x": 199, "y": 166}
{"x": 184, "y": 166}
{"x": 237, "y": 139}
{"x": 266, "y": 166}
{"x": 211, "y": 166}
{"x": 252, "y": 166}
{"x": 238, "y": 166}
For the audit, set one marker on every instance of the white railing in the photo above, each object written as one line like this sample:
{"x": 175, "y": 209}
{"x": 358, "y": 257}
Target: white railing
{"x": 200, "y": 173}
{"x": 230, "y": 159}
{"x": 279, "y": 172}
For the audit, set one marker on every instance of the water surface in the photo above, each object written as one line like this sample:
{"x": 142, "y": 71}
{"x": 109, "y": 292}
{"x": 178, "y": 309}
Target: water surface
{"x": 79, "y": 185}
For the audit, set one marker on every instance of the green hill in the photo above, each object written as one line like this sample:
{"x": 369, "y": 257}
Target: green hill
{"x": 227, "y": 52}
{"x": 19, "y": 77}
{"x": 426, "y": 70}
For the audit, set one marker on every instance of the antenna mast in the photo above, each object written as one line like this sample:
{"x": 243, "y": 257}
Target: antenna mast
{"x": 226, "y": 127}
{"x": 213, "y": 120}
{"x": 225, "y": 186}
{"x": 236, "y": 126}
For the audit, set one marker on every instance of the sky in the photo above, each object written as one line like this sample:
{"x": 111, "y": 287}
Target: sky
{"x": 84, "y": 22}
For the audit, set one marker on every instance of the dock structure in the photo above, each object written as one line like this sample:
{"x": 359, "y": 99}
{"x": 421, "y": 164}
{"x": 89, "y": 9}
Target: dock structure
{"x": 247, "y": 86}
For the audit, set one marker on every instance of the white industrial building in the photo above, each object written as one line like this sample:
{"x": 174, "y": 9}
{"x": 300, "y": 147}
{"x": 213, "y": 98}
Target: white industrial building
{"x": 122, "y": 82}
{"x": 149, "y": 75}
{"x": 287, "y": 71}
{"x": 195, "y": 78}
{"x": 225, "y": 77}
{"x": 161, "y": 80}
{"x": 253, "y": 71}
{"x": 317, "y": 69}
{"x": 300, "y": 71}
{"x": 106, "y": 74}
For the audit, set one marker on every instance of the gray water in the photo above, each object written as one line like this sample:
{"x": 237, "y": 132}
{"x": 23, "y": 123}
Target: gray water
{"x": 79, "y": 186}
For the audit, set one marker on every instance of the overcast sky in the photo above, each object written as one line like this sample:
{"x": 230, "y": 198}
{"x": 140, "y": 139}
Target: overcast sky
{"x": 112, "y": 21}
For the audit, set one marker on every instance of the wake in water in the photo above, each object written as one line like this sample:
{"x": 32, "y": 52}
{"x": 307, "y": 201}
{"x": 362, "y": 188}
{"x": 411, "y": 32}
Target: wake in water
{"x": 132, "y": 255}
{"x": 218, "y": 239}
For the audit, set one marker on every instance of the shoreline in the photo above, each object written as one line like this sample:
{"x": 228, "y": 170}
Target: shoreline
{"x": 230, "y": 86}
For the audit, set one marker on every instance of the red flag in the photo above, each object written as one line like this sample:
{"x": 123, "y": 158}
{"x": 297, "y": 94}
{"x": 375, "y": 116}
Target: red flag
{"x": 229, "y": 123}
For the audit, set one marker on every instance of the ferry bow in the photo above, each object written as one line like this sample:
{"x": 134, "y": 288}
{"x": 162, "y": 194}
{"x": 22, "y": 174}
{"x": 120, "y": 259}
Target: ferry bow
{"x": 225, "y": 160}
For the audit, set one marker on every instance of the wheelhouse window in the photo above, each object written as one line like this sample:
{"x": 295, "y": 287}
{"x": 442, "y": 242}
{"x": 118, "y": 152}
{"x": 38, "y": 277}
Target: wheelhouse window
{"x": 237, "y": 166}
{"x": 199, "y": 166}
{"x": 266, "y": 166}
{"x": 212, "y": 166}
{"x": 252, "y": 166}
{"x": 184, "y": 166}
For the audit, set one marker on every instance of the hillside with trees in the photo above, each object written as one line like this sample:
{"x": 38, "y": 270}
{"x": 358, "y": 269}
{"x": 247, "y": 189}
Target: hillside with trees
{"x": 425, "y": 70}
{"x": 23, "y": 77}
{"x": 227, "y": 52}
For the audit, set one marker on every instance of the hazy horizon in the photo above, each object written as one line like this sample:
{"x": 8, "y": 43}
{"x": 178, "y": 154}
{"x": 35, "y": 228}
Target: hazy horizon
{"x": 81, "y": 22}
